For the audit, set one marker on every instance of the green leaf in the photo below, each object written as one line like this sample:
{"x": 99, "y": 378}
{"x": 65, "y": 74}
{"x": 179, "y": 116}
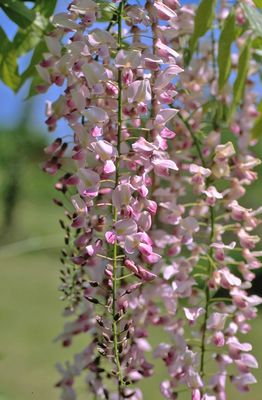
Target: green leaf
{"x": 27, "y": 39}
{"x": 210, "y": 107}
{"x": 33, "y": 24}
{"x": 259, "y": 106}
{"x": 226, "y": 39}
{"x": 46, "y": 7}
{"x": 18, "y": 12}
{"x": 32, "y": 90}
{"x": 8, "y": 63}
{"x": 258, "y": 3}
{"x": 257, "y": 43}
{"x": 32, "y": 38}
{"x": 254, "y": 17}
{"x": 203, "y": 21}
{"x": 256, "y": 131}
{"x": 36, "y": 58}
{"x": 108, "y": 12}
{"x": 239, "y": 84}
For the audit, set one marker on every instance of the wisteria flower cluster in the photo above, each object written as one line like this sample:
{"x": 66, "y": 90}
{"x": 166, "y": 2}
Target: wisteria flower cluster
{"x": 152, "y": 177}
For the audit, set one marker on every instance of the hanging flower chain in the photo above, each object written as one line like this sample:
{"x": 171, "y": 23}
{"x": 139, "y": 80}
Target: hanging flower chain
{"x": 148, "y": 137}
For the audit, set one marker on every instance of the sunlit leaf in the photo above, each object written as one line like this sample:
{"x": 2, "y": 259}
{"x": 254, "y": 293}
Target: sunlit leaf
{"x": 226, "y": 39}
{"x": 256, "y": 131}
{"x": 46, "y": 7}
{"x": 258, "y": 3}
{"x": 203, "y": 21}
{"x": 36, "y": 58}
{"x": 257, "y": 43}
{"x": 33, "y": 86}
{"x": 18, "y": 12}
{"x": 254, "y": 17}
{"x": 26, "y": 39}
{"x": 239, "y": 84}
{"x": 108, "y": 13}
{"x": 32, "y": 37}
{"x": 8, "y": 63}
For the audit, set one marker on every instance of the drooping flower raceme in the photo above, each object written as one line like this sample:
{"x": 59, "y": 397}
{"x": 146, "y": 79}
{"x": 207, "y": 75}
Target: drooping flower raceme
{"x": 205, "y": 286}
{"x": 115, "y": 102}
{"x": 152, "y": 191}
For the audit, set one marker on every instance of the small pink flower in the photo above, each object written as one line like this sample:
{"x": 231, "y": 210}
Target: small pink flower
{"x": 218, "y": 339}
{"x": 96, "y": 131}
{"x": 216, "y": 321}
{"x": 246, "y": 240}
{"x": 192, "y": 314}
{"x": 128, "y": 59}
{"x": 89, "y": 182}
{"x": 194, "y": 380}
{"x": 164, "y": 115}
{"x": 121, "y": 195}
{"x": 126, "y": 227}
{"x": 166, "y": 76}
{"x": 164, "y": 11}
{"x": 145, "y": 221}
{"x": 110, "y": 237}
{"x": 212, "y": 195}
{"x": 164, "y": 50}
{"x": 104, "y": 149}
{"x": 139, "y": 91}
{"x": 196, "y": 395}
{"x": 96, "y": 115}
{"x": 143, "y": 146}
{"x": 141, "y": 272}
{"x": 162, "y": 166}
{"x": 235, "y": 348}
{"x": 227, "y": 279}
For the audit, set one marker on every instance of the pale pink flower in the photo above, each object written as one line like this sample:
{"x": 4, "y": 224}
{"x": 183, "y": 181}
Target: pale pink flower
{"x": 192, "y": 314}
{"x": 139, "y": 91}
{"x": 166, "y": 76}
{"x": 212, "y": 195}
{"x": 128, "y": 59}
{"x": 121, "y": 195}
{"x": 89, "y": 182}
{"x": 164, "y": 12}
{"x": 216, "y": 321}
{"x": 125, "y": 227}
{"x": 96, "y": 115}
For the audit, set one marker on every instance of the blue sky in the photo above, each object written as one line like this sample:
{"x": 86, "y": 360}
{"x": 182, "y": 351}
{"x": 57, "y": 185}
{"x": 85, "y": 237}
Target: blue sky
{"x": 12, "y": 105}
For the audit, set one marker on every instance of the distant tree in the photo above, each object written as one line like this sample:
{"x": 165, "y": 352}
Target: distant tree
{"x": 24, "y": 149}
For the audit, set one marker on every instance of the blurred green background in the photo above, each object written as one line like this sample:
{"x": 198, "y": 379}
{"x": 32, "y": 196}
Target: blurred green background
{"x": 30, "y": 310}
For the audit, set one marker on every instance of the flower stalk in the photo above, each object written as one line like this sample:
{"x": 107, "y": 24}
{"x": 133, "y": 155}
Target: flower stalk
{"x": 115, "y": 212}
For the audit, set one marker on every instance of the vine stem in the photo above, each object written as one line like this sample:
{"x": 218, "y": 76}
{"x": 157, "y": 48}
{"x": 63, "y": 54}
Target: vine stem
{"x": 212, "y": 235}
{"x": 121, "y": 383}
{"x": 195, "y": 141}
{"x": 207, "y": 293}
{"x": 210, "y": 253}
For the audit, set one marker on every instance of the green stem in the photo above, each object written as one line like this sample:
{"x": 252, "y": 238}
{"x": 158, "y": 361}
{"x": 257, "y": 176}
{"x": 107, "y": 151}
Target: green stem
{"x": 195, "y": 141}
{"x": 207, "y": 293}
{"x": 121, "y": 383}
{"x": 210, "y": 253}
{"x": 213, "y": 43}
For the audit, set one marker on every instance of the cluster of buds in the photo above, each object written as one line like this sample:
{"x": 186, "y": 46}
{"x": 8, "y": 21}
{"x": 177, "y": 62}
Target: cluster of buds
{"x": 148, "y": 137}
